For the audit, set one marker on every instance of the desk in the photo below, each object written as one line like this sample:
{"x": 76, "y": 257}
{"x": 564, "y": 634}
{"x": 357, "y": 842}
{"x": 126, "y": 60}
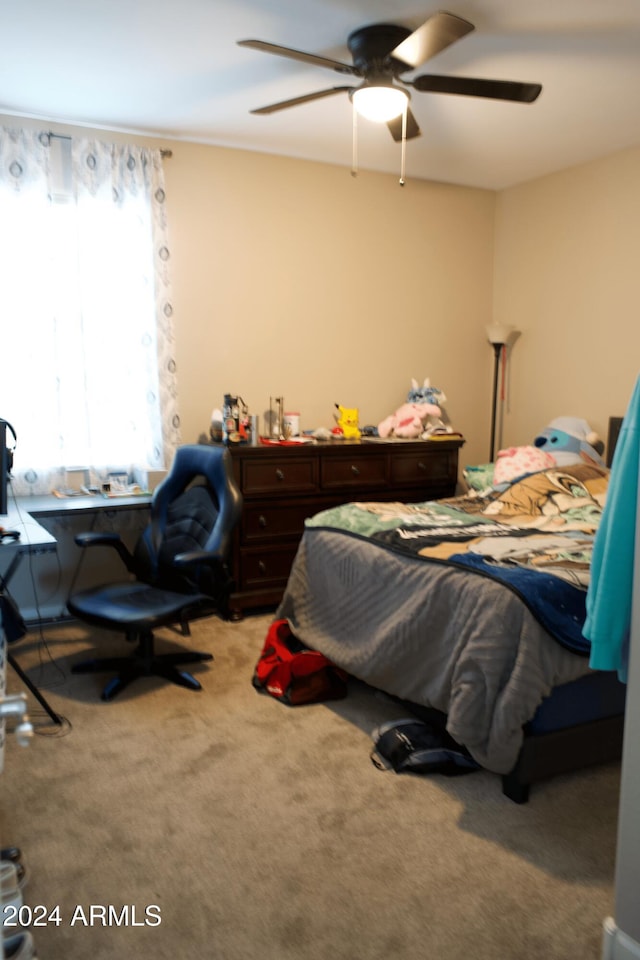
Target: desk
{"x": 48, "y": 505}
{"x": 42, "y": 593}
{"x": 34, "y": 539}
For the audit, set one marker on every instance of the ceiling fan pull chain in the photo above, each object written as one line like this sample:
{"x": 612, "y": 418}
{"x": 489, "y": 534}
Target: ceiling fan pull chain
{"x": 404, "y": 146}
{"x": 354, "y": 146}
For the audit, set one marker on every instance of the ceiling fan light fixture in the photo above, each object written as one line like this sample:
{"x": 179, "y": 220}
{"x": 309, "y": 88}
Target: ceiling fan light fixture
{"x": 380, "y": 103}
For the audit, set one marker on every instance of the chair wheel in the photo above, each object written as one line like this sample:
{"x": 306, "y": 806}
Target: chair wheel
{"x": 11, "y": 853}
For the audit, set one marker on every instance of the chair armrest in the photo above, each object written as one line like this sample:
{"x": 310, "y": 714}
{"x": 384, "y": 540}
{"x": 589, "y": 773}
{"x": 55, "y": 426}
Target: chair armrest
{"x": 194, "y": 557}
{"x": 107, "y": 539}
{"x": 93, "y": 539}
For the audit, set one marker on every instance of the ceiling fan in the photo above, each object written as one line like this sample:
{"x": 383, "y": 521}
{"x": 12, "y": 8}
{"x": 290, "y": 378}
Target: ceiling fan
{"x": 381, "y": 53}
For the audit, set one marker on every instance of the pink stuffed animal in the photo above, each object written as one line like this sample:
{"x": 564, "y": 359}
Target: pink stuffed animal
{"x": 408, "y": 420}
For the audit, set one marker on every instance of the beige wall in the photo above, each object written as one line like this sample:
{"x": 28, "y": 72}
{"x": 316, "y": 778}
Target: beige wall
{"x": 293, "y": 279}
{"x": 567, "y": 274}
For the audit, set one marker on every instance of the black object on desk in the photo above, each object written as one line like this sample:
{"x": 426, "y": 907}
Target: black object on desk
{"x": 9, "y": 534}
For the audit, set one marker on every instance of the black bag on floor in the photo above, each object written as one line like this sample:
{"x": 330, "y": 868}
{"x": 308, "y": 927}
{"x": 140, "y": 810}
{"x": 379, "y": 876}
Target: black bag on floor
{"x": 412, "y": 746}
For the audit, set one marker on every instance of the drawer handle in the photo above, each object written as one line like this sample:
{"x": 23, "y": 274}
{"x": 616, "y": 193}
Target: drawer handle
{"x": 354, "y": 470}
{"x": 280, "y": 474}
{"x": 262, "y": 567}
{"x": 262, "y": 521}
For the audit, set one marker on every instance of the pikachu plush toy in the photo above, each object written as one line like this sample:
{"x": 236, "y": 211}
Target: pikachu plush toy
{"x": 346, "y": 423}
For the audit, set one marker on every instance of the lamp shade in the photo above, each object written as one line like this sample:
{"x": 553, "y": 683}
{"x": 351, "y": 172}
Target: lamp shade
{"x": 379, "y": 103}
{"x": 499, "y": 333}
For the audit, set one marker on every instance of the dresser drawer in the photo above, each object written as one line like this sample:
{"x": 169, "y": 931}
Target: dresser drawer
{"x": 279, "y": 476}
{"x": 343, "y": 473}
{"x": 419, "y": 469}
{"x": 284, "y": 485}
{"x": 274, "y": 520}
{"x": 266, "y": 568}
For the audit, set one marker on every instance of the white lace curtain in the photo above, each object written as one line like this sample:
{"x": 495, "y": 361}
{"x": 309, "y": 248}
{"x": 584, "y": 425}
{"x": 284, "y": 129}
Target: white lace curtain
{"x": 87, "y": 371}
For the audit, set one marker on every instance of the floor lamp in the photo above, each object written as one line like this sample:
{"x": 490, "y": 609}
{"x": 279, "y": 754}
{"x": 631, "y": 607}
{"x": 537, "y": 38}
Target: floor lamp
{"x": 500, "y": 337}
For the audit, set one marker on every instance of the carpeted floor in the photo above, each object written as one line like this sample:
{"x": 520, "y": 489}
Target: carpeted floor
{"x": 232, "y": 827}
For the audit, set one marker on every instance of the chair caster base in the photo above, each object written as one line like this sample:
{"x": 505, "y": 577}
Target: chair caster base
{"x": 132, "y": 668}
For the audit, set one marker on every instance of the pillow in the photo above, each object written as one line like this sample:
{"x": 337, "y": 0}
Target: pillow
{"x": 517, "y": 462}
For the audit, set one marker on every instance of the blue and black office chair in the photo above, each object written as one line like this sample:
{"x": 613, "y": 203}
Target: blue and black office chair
{"x": 178, "y": 569}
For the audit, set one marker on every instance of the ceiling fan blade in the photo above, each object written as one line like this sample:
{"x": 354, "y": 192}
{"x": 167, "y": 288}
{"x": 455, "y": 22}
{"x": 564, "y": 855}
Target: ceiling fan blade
{"x": 305, "y": 98}
{"x": 395, "y": 127}
{"x": 298, "y": 55}
{"x": 436, "y": 34}
{"x": 471, "y": 87}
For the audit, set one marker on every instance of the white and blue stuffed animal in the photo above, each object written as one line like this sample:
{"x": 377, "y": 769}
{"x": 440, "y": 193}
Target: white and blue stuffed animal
{"x": 425, "y": 394}
{"x": 570, "y": 440}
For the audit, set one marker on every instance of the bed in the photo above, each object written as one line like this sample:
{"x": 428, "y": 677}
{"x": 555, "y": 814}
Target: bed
{"x": 470, "y": 611}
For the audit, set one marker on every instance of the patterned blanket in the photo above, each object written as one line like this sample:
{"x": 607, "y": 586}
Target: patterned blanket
{"x": 536, "y": 537}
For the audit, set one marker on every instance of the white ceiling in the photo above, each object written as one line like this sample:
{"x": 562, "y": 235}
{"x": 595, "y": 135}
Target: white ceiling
{"x": 173, "y": 68}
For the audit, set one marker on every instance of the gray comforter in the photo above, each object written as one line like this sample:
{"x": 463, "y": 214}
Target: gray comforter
{"x": 433, "y": 634}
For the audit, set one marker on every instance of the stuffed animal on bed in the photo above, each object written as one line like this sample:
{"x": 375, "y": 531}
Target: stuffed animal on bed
{"x": 564, "y": 441}
{"x": 409, "y": 419}
{"x": 570, "y": 440}
{"x": 515, "y": 462}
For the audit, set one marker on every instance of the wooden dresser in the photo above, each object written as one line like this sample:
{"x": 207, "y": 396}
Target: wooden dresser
{"x": 283, "y": 485}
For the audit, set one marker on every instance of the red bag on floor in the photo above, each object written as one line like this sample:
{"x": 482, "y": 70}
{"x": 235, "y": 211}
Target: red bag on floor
{"x": 290, "y": 672}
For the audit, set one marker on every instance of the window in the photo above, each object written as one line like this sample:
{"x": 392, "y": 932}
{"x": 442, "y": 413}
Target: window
{"x": 88, "y": 377}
